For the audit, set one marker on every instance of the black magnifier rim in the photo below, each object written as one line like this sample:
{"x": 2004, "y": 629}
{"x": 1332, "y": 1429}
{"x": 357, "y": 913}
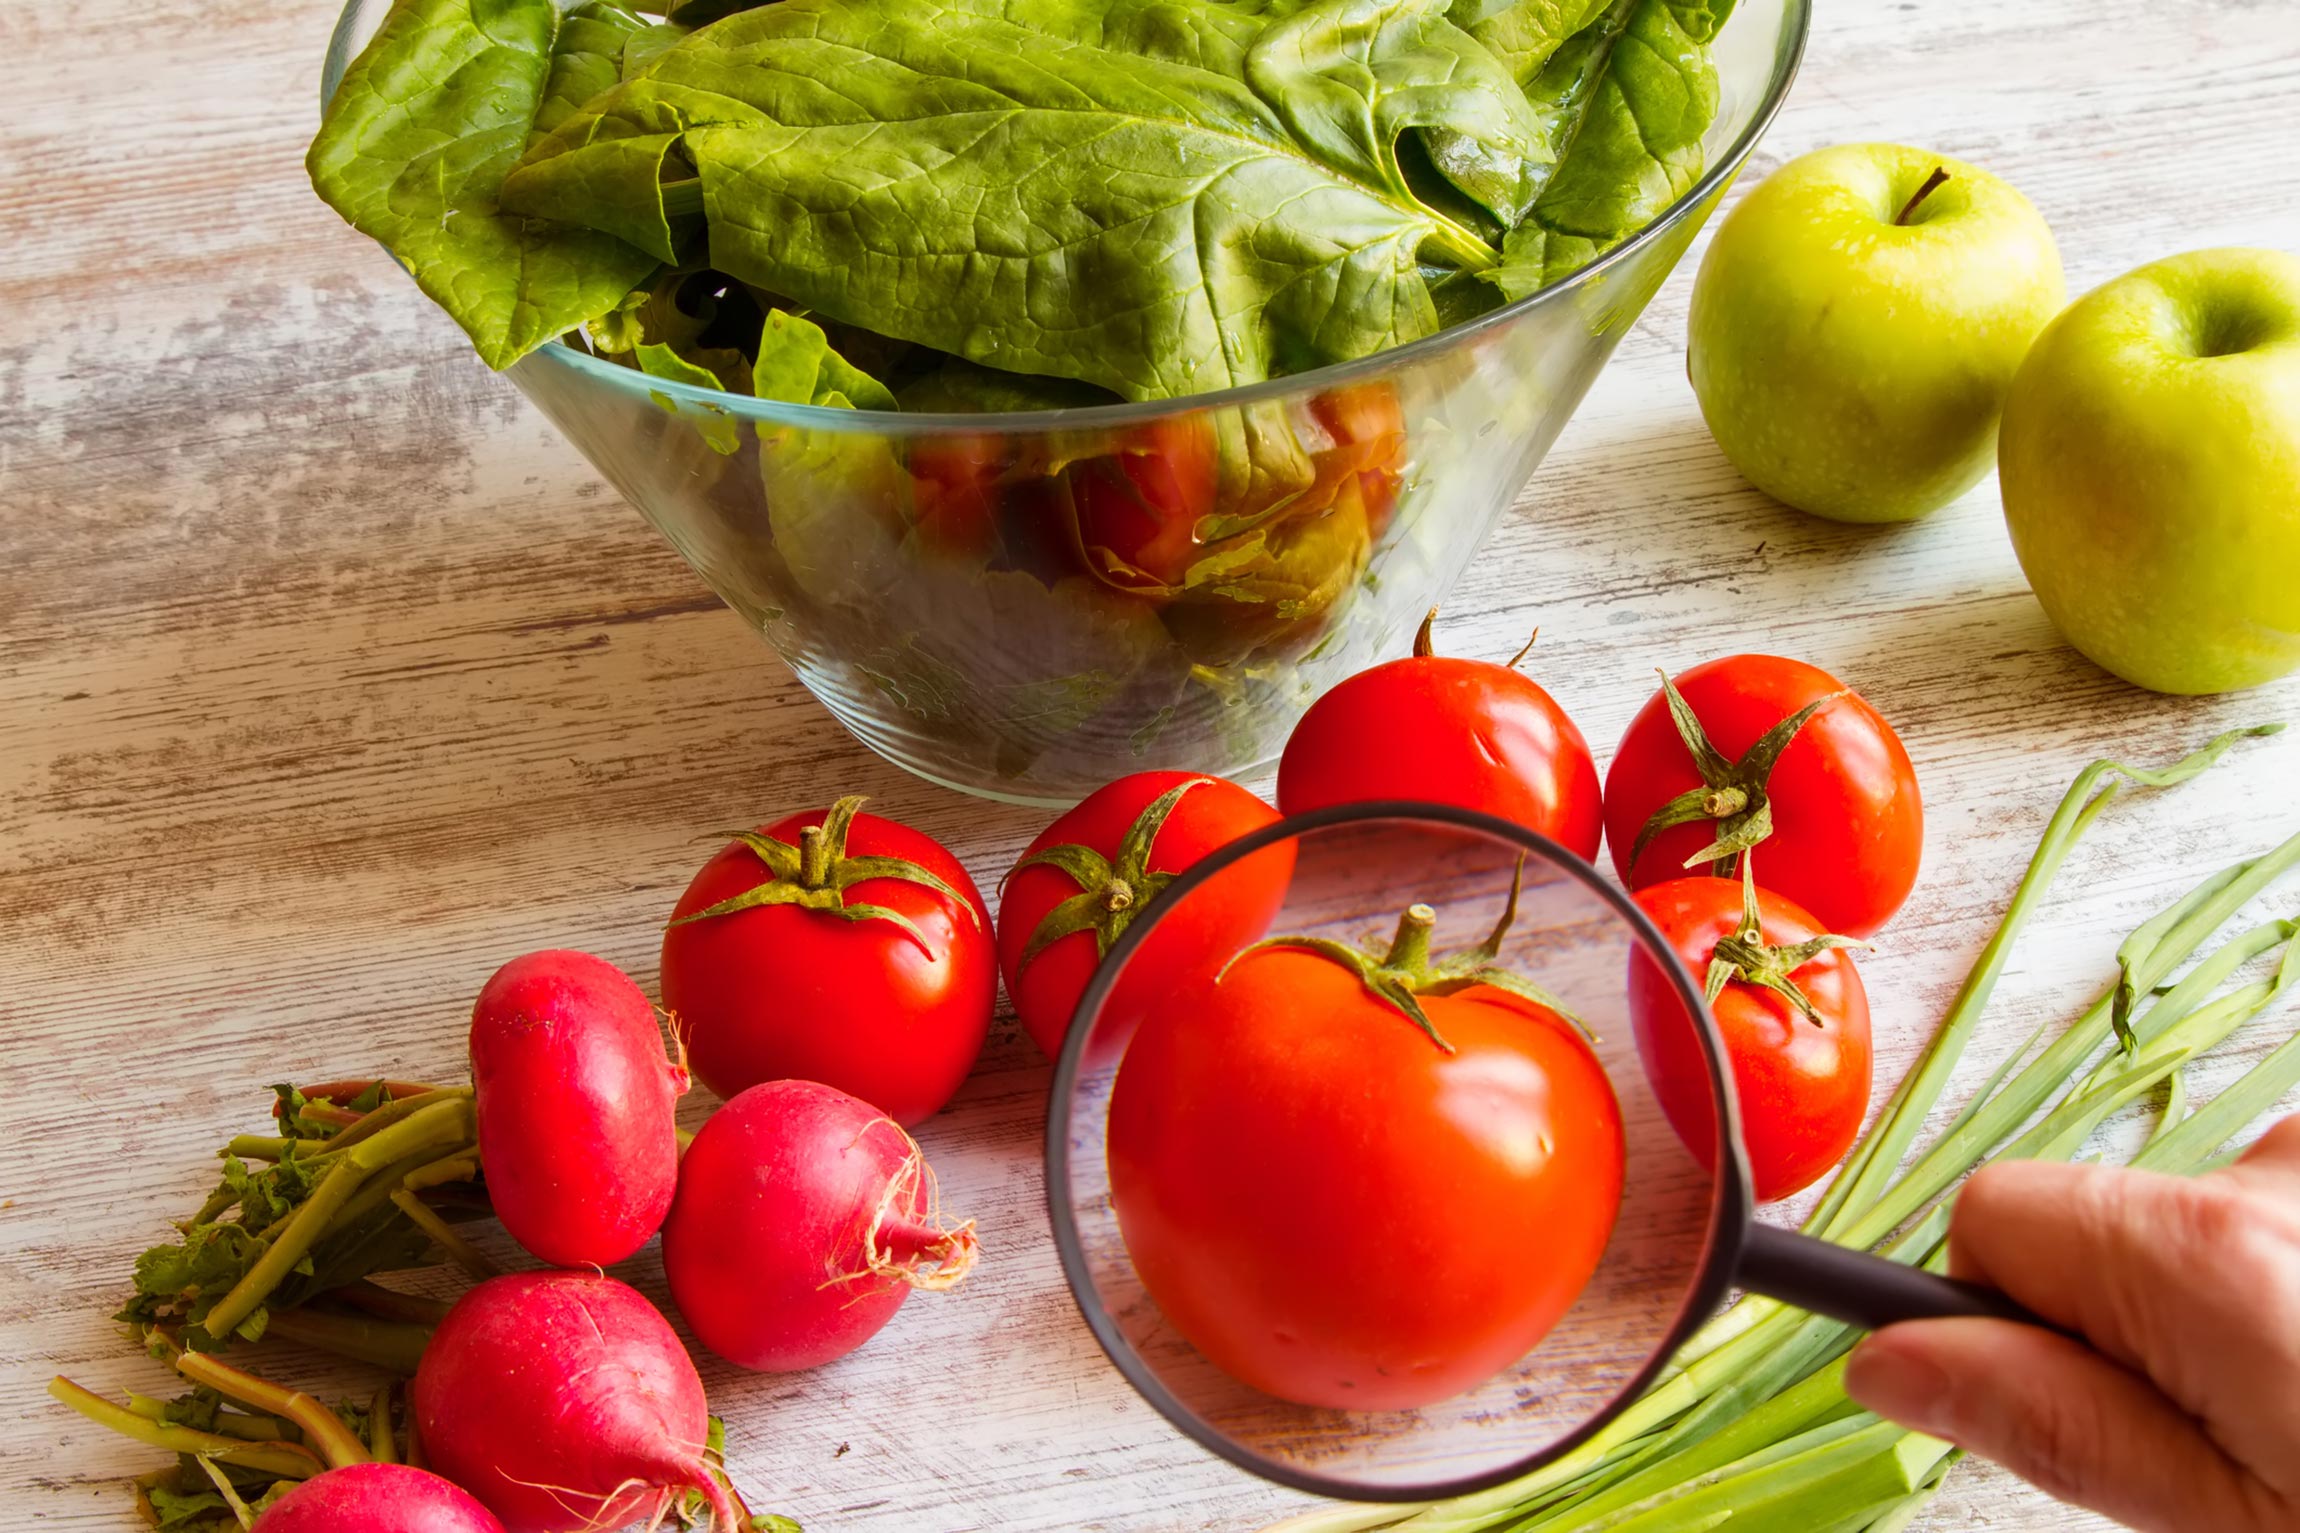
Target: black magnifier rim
{"x": 1732, "y": 1206}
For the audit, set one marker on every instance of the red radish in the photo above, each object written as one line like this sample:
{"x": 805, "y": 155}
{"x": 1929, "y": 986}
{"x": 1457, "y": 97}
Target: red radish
{"x": 804, "y": 1219}
{"x": 577, "y": 1103}
{"x": 376, "y": 1498}
{"x": 564, "y": 1402}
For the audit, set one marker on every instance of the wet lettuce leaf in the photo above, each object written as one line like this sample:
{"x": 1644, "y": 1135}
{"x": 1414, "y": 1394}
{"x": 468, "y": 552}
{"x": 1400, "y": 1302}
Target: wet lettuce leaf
{"x": 1097, "y": 189}
{"x": 1634, "y": 92}
{"x": 417, "y": 141}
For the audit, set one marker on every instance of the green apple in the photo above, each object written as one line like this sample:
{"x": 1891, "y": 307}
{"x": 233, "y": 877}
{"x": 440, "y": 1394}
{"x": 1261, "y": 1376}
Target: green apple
{"x": 1854, "y": 332}
{"x": 2151, "y": 471}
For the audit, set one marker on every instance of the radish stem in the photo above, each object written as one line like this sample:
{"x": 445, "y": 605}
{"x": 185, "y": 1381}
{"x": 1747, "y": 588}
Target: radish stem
{"x": 323, "y": 1430}
{"x": 282, "y": 1459}
{"x": 461, "y": 1251}
{"x": 382, "y": 1343}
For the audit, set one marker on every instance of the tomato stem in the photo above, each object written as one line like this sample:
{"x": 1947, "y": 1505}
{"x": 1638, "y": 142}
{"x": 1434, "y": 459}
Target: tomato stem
{"x": 1733, "y": 793}
{"x": 1424, "y": 644}
{"x": 1745, "y": 956}
{"x": 816, "y": 874}
{"x": 1409, "y": 952}
{"x": 1408, "y": 970}
{"x": 1109, "y": 889}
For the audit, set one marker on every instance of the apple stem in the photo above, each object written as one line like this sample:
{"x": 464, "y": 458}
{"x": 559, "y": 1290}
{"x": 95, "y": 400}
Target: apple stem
{"x": 1933, "y": 183}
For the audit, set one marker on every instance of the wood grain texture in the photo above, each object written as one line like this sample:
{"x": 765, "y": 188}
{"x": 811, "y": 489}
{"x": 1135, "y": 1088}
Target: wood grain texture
{"x": 330, "y": 678}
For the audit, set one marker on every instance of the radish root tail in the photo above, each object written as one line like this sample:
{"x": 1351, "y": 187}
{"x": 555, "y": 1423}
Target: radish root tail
{"x": 907, "y": 1239}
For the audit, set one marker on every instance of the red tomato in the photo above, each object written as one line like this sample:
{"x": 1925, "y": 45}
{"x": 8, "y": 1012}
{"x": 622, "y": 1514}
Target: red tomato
{"x": 1369, "y": 430}
{"x": 1463, "y": 732}
{"x": 780, "y": 987}
{"x": 954, "y": 492}
{"x": 1803, "y": 1082}
{"x": 1142, "y": 505}
{"x": 1122, "y": 844}
{"x": 1848, "y": 823}
{"x": 1337, "y": 1210}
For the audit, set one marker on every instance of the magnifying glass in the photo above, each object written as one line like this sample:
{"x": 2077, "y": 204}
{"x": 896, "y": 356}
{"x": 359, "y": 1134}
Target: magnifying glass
{"x": 1392, "y": 1153}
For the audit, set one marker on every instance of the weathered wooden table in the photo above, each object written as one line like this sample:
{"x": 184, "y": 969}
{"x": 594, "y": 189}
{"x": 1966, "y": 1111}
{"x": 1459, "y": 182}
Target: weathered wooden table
{"x": 330, "y": 678}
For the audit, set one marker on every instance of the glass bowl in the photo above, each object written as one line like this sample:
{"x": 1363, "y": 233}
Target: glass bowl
{"x": 995, "y": 601}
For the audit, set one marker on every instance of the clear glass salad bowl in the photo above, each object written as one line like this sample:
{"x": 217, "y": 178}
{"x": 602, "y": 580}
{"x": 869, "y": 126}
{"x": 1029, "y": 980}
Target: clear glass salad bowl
{"x": 1006, "y": 603}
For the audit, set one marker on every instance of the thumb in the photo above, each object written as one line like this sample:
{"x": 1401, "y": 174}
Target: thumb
{"x": 2062, "y": 1417}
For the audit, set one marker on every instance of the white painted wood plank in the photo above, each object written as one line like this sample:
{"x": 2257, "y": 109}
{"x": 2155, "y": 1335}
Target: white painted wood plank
{"x": 329, "y": 678}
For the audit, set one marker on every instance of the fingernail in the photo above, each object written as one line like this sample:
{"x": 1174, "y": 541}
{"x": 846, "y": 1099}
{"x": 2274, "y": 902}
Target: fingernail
{"x": 1900, "y": 1383}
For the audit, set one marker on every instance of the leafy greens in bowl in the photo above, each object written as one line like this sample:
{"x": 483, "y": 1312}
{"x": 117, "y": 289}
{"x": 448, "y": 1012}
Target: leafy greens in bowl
{"x": 1150, "y": 197}
{"x": 1055, "y": 382}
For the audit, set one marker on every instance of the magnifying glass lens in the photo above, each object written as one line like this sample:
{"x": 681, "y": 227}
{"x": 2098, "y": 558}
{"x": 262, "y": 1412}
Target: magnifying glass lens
{"x": 1359, "y": 1171}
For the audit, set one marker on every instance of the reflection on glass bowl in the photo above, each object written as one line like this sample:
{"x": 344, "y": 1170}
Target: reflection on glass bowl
{"x": 1005, "y": 603}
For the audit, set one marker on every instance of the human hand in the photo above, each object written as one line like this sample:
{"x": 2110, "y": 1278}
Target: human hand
{"x": 2184, "y": 1410}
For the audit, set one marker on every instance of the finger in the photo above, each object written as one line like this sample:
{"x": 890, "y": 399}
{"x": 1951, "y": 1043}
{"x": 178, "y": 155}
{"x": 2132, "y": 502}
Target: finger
{"x": 2079, "y": 1245}
{"x": 2272, "y": 1160}
{"x": 2193, "y": 1283}
{"x": 2059, "y": 1415}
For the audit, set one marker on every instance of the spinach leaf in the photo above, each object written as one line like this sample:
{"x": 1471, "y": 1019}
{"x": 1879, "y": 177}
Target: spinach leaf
{"x": 797, "y": 366}
{"x": 958, "y": 387}
{"x": 1351, "y": 76}
{"x": 1522, "y": 37}
{"x": 1638, "y": 91}
{"x": 1524, "y": 33}
{"x": 586, "y": 60}
{"x": 641, "y": 47}
{"x": 1030, "y": 195}
{"x": 414, "y": 150}
{"x": 717, "y": 428}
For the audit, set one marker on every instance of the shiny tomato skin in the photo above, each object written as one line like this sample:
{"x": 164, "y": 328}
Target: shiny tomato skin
{"x": 1463, "y": 732}
{"x": 955, "y": 492}
{"x": 1368, "y": 427}
{"x": 1220, "y": 919}
{"x": 778, "y": 992}
{"x": 1848, "y": 820}
{"x": 1337, "y": 1212}
{"x": 1144, "y": 502}
{"x": 1803, "y": 1089}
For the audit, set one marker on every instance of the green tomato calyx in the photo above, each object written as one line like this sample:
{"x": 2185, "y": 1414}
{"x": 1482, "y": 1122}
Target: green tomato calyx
{"x": 1401, "y": 976}
{"x": 1731, "y": 792}
{"x": 816, "y": 874}
{"x": 1746, "y": 957}
{"x": 1111, "y": 891}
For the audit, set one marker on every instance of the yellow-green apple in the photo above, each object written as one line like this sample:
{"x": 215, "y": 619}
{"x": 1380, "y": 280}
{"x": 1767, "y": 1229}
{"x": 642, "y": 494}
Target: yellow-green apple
{"x": 1856, "y": 322}
{"x": 2151, "y": 471}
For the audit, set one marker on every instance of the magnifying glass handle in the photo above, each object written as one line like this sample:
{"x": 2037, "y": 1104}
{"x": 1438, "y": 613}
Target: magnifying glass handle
{"x": 1840, "y": 1283}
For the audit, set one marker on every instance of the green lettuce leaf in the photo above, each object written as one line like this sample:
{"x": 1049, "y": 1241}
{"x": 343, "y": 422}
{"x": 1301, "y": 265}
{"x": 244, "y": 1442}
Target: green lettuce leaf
{"x": 1637, "y": 91}
{"x": 1091, "y": 189}
{"x": 1524, "y": 33}
{"x": 641, "y": 47}
{"x": 413, "y": 153}
{"x": 586, "y": 60}
{"x": 798, "y": 366}
{"x": 716, "y": 426}
{"x": 1351, "y": 77}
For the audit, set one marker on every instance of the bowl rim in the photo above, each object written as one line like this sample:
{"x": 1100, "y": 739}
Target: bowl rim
{"x": 1788, "y": 56}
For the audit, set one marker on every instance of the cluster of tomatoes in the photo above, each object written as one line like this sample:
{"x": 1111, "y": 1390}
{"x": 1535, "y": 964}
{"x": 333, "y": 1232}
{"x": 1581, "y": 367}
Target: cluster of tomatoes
{"x": 1762, "y": 814}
